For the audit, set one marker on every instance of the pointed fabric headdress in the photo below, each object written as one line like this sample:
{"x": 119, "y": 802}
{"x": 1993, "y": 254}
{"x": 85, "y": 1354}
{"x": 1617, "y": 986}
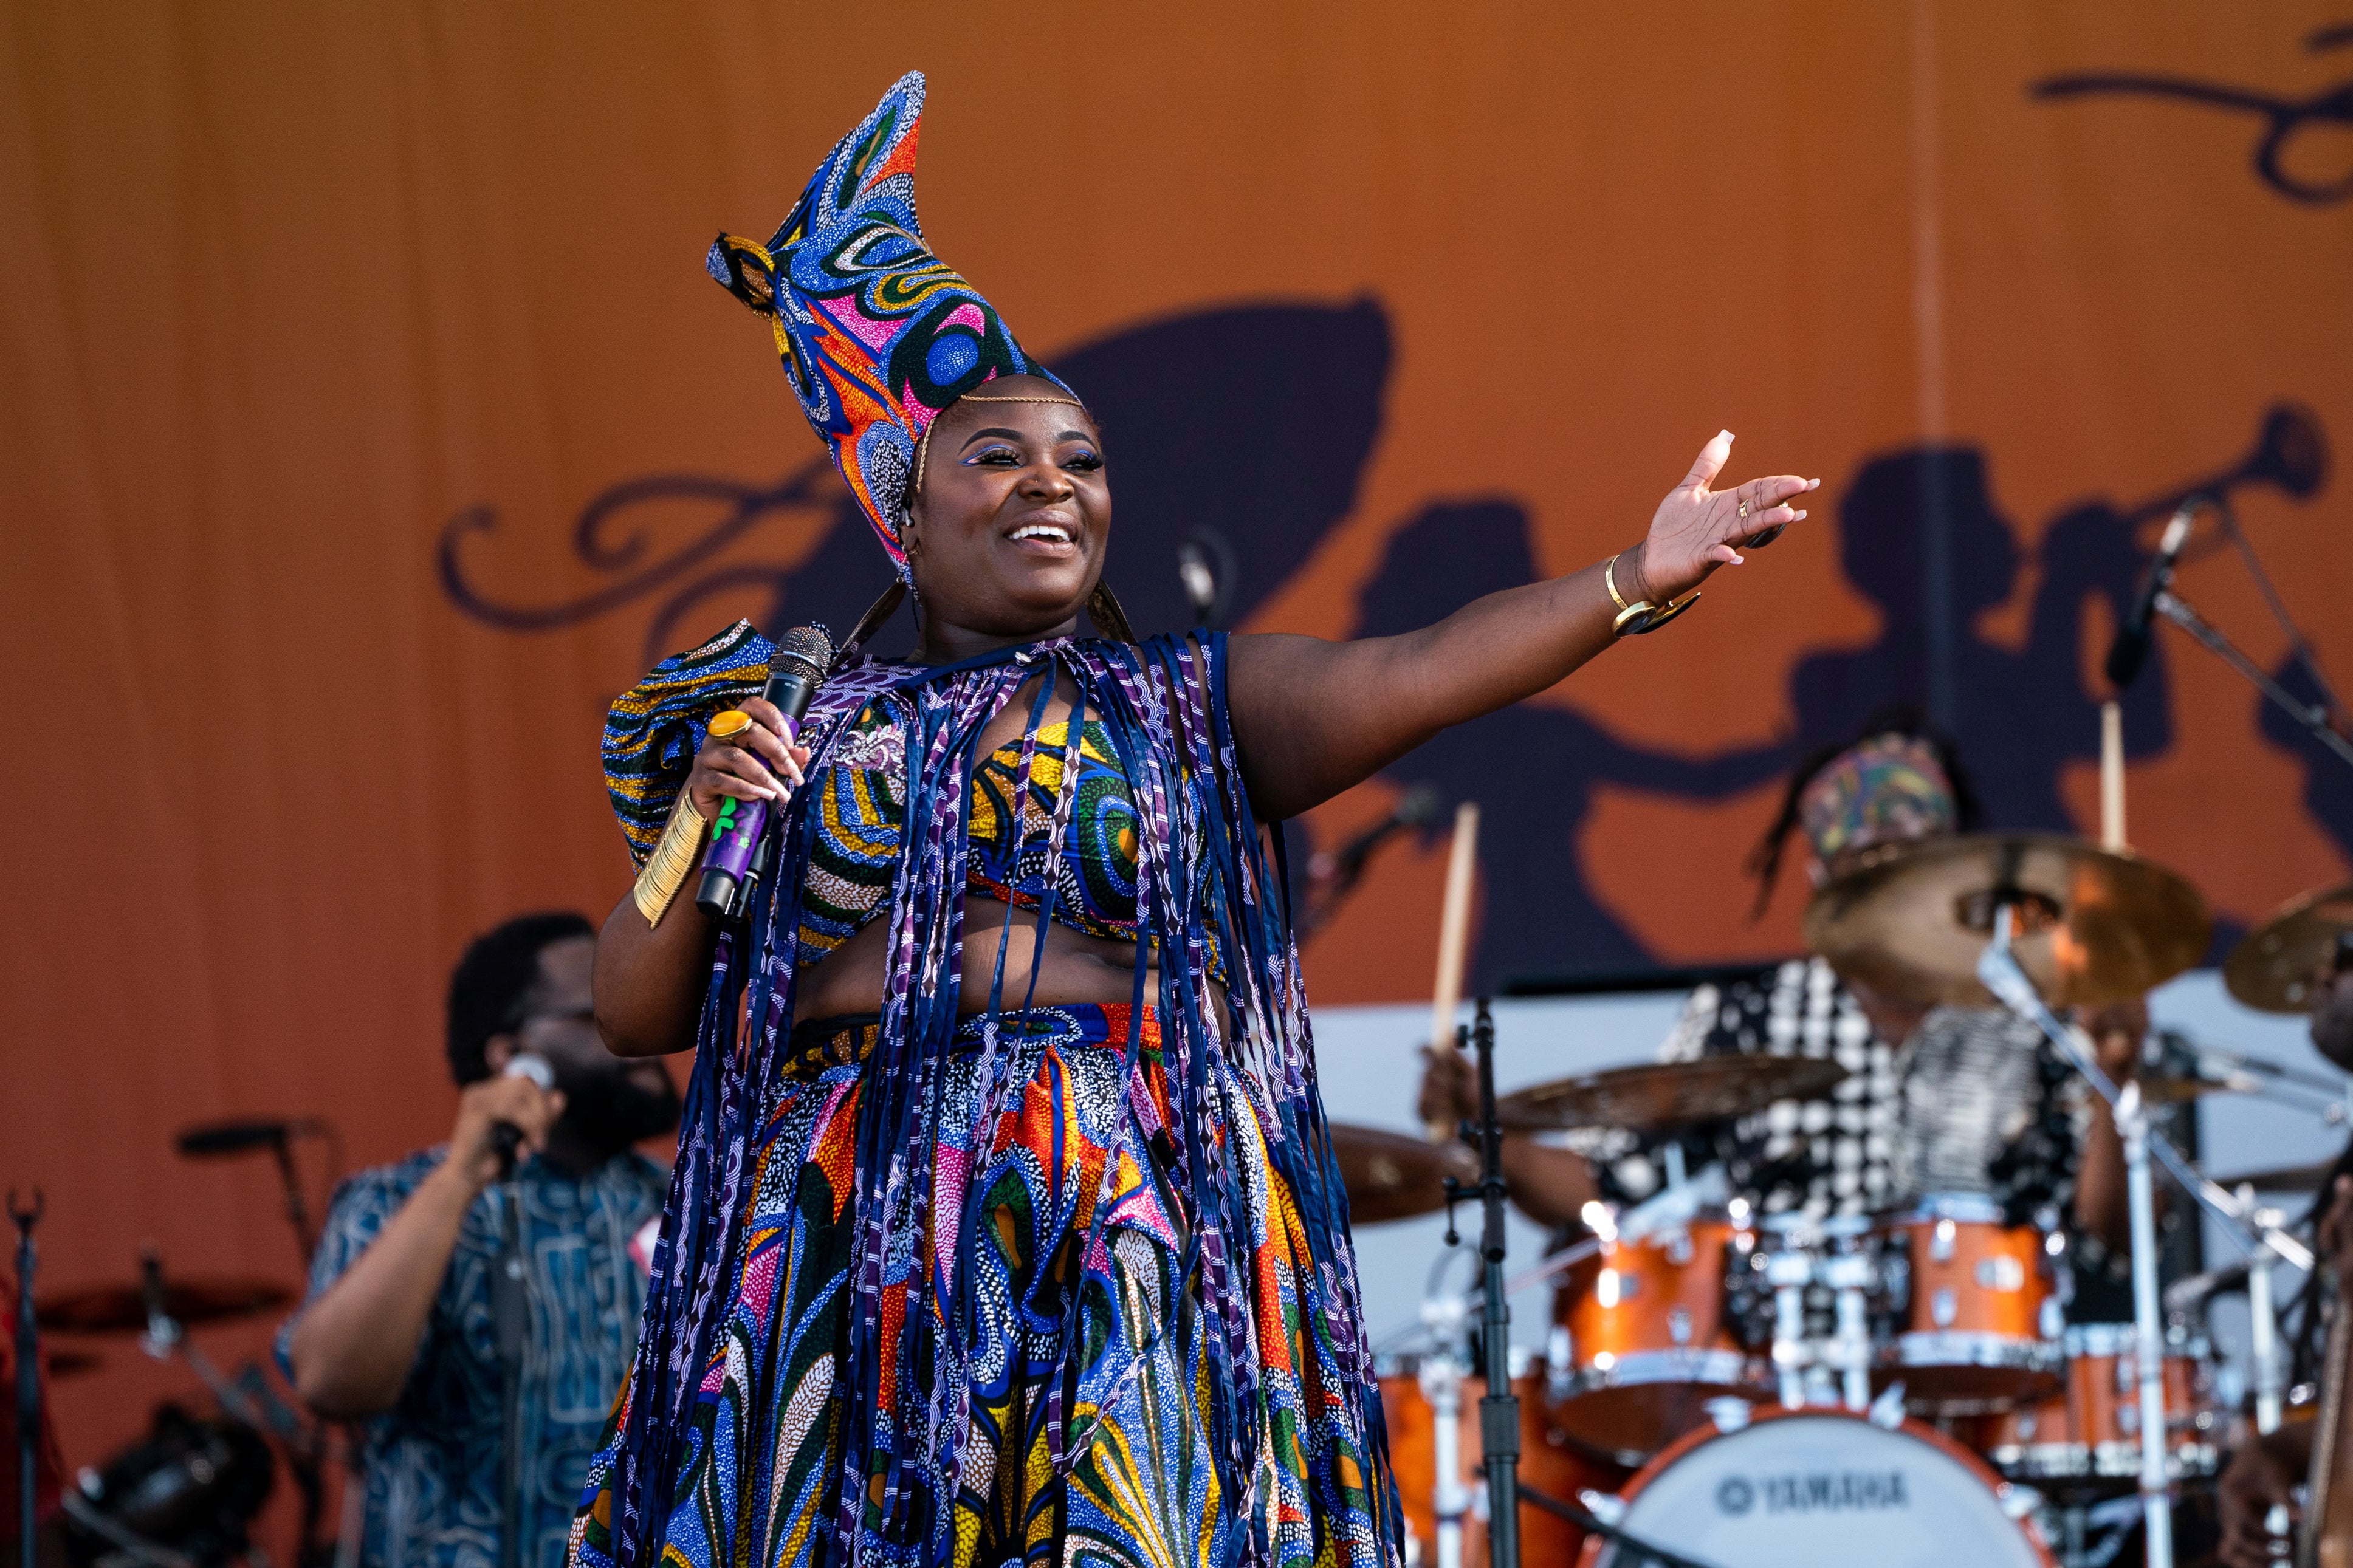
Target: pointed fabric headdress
{"x": 877, "y": 335}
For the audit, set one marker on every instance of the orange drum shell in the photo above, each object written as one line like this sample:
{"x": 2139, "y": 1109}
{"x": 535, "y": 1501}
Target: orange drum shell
{"x": 2093, "y": 1428}
{"x": 1626, "y": 1303}
{"x": 1994, "y": 1280}
{"x": 2015, "y": 1255}
{"x": 1547, "y": 1464}
{"x": 1655, "y": 1279}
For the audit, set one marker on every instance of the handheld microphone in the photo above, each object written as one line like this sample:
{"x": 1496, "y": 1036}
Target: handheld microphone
{"x": 2131, "y": 647}
{"x": 506, "y": 1138}
{"x": 794, "y": 671}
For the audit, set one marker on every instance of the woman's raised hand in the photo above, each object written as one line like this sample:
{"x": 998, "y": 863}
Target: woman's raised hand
{"x": 753, "y": 763}
{"x": 1697, "y": 530}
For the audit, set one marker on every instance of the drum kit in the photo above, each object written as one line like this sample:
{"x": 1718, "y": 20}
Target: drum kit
{"x": 1725, "y": 1387}
{"x": 185, "y": 1494}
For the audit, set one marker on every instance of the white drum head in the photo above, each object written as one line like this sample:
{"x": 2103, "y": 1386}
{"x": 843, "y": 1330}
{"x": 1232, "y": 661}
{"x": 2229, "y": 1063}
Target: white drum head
{"x": 1813, "y": 1489}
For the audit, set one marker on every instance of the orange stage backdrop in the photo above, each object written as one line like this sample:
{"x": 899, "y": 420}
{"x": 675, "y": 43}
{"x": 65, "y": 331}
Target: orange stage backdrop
{"x": 366, "y": 422}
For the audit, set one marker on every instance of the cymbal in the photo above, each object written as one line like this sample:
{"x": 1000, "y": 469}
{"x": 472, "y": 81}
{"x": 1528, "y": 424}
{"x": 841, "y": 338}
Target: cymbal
{"x": 2093, "y": 925}
{"x": 1391, "y": 1176}
{"x": 2272, "y": 968}
{"x": 1660, "y": 1097}
{"x": 123, "y": 1308}
{"x": 2280, "y": 1178}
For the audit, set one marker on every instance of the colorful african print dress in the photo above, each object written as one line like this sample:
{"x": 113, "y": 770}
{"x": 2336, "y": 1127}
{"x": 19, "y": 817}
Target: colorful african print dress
{"x": 1031, "y": 1284}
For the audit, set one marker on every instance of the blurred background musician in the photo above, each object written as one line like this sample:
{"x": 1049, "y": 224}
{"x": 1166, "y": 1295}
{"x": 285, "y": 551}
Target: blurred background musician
{"x": 400, "y": 1331}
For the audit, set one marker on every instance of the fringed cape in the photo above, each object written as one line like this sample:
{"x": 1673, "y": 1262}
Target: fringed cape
{"x": 1165, "y": 706}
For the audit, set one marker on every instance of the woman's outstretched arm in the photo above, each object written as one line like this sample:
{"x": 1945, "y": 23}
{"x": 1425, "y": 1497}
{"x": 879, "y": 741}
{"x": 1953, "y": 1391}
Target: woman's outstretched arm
{"x": 1312, "y": 717}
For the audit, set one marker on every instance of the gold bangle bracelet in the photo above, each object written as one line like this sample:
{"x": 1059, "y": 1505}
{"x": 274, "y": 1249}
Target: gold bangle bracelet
{"x": 1610, "y": 581}
{"x": 1641, "y": 615}
{"x": 666, "y": 869}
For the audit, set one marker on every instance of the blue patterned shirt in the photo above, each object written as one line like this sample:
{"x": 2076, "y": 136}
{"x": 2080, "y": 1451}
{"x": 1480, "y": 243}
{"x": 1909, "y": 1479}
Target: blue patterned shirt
{"x": 433, "y": 1464}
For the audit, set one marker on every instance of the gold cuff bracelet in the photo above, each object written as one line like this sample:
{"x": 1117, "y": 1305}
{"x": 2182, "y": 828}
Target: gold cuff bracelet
{"x": 666, "y": 869}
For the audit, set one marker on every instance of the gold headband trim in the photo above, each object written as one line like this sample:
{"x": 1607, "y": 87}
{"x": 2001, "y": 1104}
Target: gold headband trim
{"x": 924, "y": 442}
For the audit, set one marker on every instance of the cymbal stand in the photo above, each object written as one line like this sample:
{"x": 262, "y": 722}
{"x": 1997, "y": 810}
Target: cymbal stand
{"x": 1441, "y": 1375}
{"x": 28, "y": 1377}
{"x": 2263, "y": 1333}
{"x": 166, "y": 1338}
{"x": 1998, "y": 970}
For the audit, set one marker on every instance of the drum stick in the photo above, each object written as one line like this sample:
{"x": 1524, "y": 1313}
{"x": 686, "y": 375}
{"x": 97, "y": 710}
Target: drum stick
{"x": 1453, "y": 934}
{"x": 2112, "y": 776}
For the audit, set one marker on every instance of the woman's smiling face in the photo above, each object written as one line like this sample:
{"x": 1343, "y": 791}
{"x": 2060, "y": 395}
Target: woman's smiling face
{"x": 1012, "y": 517}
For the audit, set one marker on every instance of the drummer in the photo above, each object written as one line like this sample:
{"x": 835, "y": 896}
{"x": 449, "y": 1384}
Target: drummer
{"x": 1937, "y": 1099}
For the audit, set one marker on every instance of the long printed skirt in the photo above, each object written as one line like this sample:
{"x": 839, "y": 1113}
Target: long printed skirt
{"x": 1138, "y": 1483}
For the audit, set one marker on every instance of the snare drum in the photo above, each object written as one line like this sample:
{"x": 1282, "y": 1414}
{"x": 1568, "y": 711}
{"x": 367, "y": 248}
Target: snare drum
{"x": 1547, "y": 1464}
{"x": 1647, "y": 1344}
{"x": 2091, "y": 1430}
{"x": 1802, "y": 1488}
{"x": 1981, "y": 1330}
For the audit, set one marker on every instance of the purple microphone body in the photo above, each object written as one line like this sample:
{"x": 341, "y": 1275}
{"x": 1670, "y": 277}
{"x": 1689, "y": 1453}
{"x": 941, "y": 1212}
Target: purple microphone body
{"x": 794, "y": 671}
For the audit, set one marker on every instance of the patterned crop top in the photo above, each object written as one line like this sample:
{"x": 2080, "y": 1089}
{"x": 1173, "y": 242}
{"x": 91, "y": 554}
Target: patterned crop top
{"x": 860, "y": 826}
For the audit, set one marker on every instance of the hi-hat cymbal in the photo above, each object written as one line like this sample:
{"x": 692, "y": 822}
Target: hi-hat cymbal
{"x": 1660, "y": 1097}
{"x": 1391, "y": 1176}
{"x": 123, "y": 1308}
{"x": 2092, "y": 925}
{"x": 2273, "y": 966}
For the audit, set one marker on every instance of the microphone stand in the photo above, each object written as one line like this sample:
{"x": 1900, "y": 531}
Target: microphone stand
{"x": 2314, "y": 717}
{"x": 29, "y": 1378}
{"x": 510, "y": 1325}
{"x": 1499, "y": 1413}
{"x": 1499, "y": 1409}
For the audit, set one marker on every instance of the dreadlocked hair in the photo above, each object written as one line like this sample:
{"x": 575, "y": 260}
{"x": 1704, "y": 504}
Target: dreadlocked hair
{"x": 1764, "y": 862}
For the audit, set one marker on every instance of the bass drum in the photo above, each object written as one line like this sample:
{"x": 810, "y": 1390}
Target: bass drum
{"x": 1802, "y": 1488}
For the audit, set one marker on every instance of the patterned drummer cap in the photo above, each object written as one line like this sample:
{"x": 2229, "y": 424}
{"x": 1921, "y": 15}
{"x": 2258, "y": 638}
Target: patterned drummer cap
{"x": 1889, "y": 788}
{"x": 877, "y": 334}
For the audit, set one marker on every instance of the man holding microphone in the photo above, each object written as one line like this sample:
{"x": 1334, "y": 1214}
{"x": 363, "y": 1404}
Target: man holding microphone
{"x": 480, "y": 1389}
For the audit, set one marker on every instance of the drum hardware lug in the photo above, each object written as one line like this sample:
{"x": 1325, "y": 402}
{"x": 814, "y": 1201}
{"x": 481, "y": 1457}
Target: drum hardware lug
{"x": 1887, "y": 1410}
{"x": 1943, "y": 1308}
{"x": 1607, "y": 1506}
{"x": 2004, "y": 1273}
{"x": 1679, "y": 1326}
{"x": 1730, "y": 1415}
{"x": 1940, "y": 1242}
{"x": 2052, "y": 1318}
{"x": 2019, "y": 1502}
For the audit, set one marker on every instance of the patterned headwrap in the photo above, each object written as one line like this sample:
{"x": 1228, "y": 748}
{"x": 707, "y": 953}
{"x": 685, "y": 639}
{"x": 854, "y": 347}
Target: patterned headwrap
{"x": 879, "y": 336}
{"x": 1889, "y": 788}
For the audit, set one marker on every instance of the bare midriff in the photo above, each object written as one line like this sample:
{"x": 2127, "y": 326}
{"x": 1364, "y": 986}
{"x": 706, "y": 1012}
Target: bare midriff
{"x": 1071, "y": 966}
